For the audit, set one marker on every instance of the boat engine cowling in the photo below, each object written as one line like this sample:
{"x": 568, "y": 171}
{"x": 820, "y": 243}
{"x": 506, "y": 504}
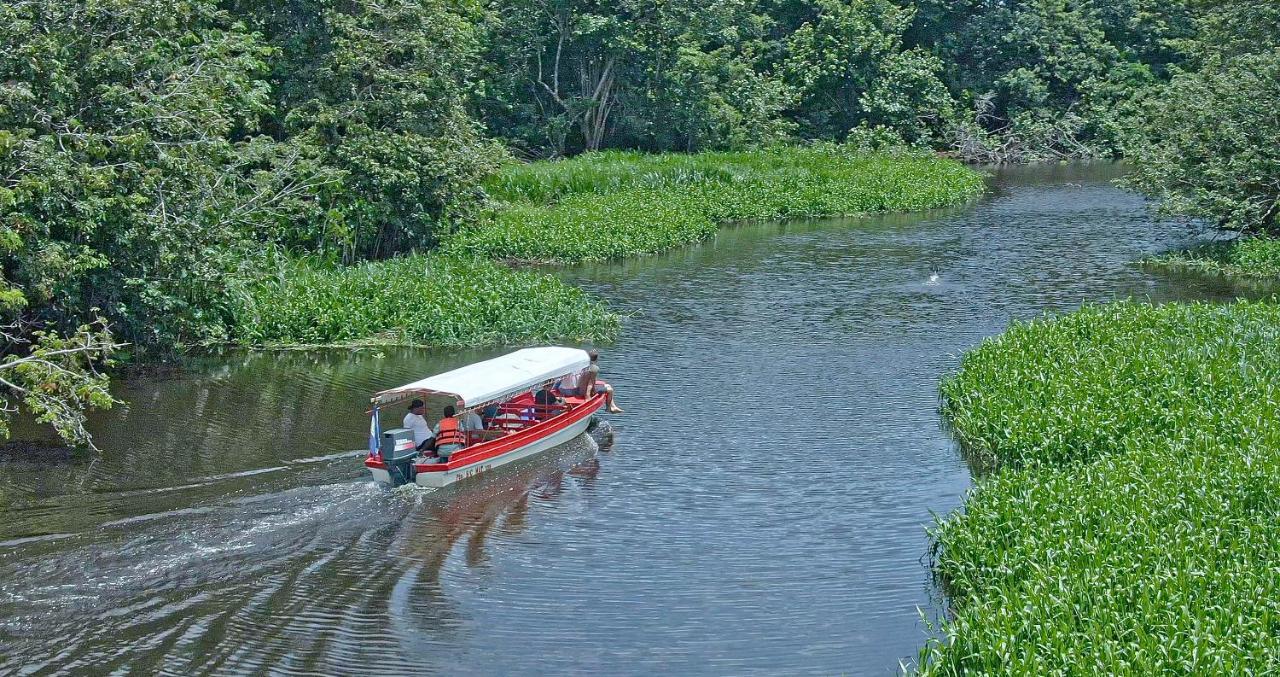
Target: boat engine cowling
{"x": 398, "y": 453}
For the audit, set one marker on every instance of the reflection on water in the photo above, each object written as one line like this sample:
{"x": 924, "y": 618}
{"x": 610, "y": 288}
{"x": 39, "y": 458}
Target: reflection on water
{"x": 763, "y": 507}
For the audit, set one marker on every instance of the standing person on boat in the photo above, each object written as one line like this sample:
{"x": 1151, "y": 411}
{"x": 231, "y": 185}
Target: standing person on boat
{"x": 588, "y": 383}
{"x": 449, "y": 434}
{"x": 417, "y": 422}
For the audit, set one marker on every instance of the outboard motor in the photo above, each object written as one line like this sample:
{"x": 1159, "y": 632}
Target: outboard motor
{"x": 398, "y": 453}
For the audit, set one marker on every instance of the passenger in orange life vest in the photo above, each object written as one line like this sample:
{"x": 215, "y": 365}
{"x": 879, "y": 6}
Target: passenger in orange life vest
{"x": 449, "y": 434}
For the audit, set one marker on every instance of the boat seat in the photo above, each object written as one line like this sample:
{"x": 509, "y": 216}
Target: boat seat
{"x": 509, "y": 423}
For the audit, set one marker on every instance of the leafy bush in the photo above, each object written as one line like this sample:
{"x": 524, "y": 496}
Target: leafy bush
{"x": 376, "y": 92}
{"x": 1133, "y": 522}
{"x": 132, "y": 186}
{"x": 608, "y": 205}
{"x": 421, "y": 300}
{"x": 1245, "y": 257}
{"x": 1211, "y": 150}
{"x": 850, "y": 68}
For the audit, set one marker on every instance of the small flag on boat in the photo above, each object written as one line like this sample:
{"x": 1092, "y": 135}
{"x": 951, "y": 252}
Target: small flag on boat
{"x": 373, "y": 433}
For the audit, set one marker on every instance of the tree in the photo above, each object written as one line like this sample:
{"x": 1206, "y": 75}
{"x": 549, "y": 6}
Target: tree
{"x": 908, "y": 96}
{"x": 133, "y": 187}
{"x": 573, "y": 75}
{"x": 132, "y": 180}
{"x": 55, "y": 378}
{"x": 1049, "y": 79}
{"x": 835, "y": 59}
{"x": 700, "y": 81}
{"x": 376, "y": 94}
{"x": 1225, "y": 28}
{"x": 1209, "y": 144}
{"x": 558, "y": 62}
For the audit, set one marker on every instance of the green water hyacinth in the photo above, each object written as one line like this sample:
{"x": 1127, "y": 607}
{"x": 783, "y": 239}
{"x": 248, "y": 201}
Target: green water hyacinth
{"x": 1130, "y": 523}
{"x": 610, "y": 205}
{"x": 429, "y": 300}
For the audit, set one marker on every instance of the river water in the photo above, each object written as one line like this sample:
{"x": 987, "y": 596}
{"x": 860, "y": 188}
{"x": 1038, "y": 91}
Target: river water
{"x": 760, "y": 507}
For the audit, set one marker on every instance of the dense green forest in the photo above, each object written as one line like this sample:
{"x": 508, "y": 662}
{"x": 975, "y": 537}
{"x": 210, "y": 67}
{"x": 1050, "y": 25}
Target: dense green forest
{"x": 162, "y": 159}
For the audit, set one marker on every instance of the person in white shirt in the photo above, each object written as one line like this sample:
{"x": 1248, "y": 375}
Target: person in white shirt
{"x": 415, "y": 421}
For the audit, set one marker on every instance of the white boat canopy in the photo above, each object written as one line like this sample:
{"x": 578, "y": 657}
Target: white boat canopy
{"x": 484, "y": 382}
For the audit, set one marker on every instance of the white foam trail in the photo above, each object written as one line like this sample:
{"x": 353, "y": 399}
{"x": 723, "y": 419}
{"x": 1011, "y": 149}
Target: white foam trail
{"x": 156, "y": 515}
{"x": 33, "y": 539}
{"x": 328, "y": 457}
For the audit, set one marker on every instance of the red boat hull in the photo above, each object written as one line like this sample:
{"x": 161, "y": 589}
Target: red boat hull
{"x": 482, "y": 457}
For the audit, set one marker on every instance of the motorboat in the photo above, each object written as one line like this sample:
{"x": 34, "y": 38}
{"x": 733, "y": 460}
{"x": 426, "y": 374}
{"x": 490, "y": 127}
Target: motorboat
{"x": 501, "y": 392}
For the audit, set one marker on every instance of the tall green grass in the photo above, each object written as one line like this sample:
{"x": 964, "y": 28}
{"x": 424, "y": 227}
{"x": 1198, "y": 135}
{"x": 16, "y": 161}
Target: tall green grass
{"x": 1132, "y": 524}
{"x": 611, "y": 205}
{"x": 1257, "y": 257}
{"x": 420, "y": 300}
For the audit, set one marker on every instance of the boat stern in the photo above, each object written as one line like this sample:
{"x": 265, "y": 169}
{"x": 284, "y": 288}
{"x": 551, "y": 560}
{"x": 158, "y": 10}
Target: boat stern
{"x": 378, "y": 469}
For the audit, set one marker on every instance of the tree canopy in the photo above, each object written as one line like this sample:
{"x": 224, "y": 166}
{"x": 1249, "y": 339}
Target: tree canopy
{"x": 1209, "y": 146}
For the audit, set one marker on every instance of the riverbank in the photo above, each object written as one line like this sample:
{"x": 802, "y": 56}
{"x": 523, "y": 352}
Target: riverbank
{"x": 596, "y": 206}
{"x": 612, "y": 205}
{"x": 1132, "y": 519}
{"x": 1246, "y": 257}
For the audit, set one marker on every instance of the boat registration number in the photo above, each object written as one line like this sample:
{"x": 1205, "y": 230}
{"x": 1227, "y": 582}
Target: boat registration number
{"x": 471, "y": 472}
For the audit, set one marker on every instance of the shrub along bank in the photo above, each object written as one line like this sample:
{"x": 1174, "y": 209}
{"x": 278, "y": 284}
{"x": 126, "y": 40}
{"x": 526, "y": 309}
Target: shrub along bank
{"x": 602, "y": 206}
{"x": 1245, "y": 257}
{"x": 1132, "y": 524}
{"x": 597, "y": 206}
{"x": 421, "y": 300}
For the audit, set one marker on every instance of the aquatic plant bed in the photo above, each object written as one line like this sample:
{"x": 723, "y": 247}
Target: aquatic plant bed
{"x": 1245, "y": 257}
{"x": 611, "y": 205}
{"x": 1131, "y": 523}
{"x": 431, "y": 300}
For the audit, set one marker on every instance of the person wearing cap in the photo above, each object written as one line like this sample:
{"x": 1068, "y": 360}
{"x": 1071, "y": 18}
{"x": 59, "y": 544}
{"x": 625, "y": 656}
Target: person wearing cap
{"x": 417, "y": 422}
{"x": 588, "y": 381}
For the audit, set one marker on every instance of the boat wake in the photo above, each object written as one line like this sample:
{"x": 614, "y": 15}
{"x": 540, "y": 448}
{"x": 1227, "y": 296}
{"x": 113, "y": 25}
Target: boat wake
{"x": 319, "y": 569}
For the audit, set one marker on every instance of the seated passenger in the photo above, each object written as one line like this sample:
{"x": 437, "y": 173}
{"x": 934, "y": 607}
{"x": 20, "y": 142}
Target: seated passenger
{"x": 586, "y": 383}
{"x": 415, "y": 421}
{"x": 568, "y": 385}
{"x": 449, "y": 434}
{"x": 544, "y": 399}
{"x": 471, "y": 423}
